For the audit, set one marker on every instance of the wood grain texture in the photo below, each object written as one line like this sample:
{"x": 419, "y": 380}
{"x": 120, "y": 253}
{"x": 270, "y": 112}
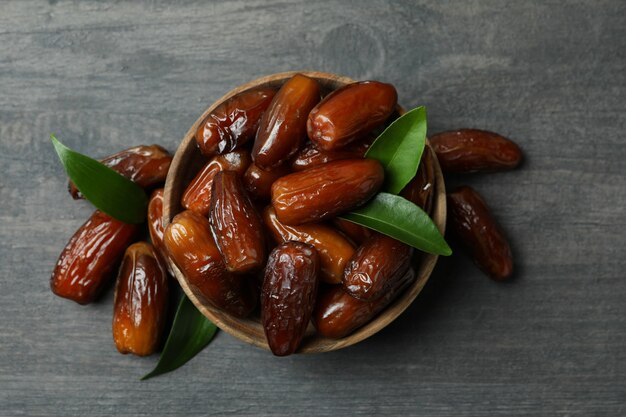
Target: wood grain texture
{"x": 104, "y": 75}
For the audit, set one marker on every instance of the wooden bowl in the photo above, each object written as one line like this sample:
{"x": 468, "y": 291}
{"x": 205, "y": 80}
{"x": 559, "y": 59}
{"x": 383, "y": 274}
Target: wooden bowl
{"x": 187, "y": 162}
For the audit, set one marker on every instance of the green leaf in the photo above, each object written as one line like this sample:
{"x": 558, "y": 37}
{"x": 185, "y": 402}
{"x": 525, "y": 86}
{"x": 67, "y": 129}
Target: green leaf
{"x": 402, "y": 220}
{"x": 190, "y": 333}
{"x": 399, "y": 148}
{"x": 109, "y": 191}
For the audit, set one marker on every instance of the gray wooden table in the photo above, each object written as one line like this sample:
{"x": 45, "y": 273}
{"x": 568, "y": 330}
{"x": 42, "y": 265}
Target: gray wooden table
{"x": 104, "y": 75}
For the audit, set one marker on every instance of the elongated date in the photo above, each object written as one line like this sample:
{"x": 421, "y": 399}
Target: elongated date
{"x": 472, "y": 150}
{"x": 140, "y": 305}
{"x": 234, "y": 122}
{"x": 288, "y": 295}
{"x": 236, "y": 225}
{"x": 197, "y": 196}
{"x": 376, "y": 267}
{"x": 420, "y": 190}
{"x": 326, "y": 190}
{"x": 90, "y": 257}
{"x": 350, "y": 112}
{"x": 145, "y": 165}
{"x": 471, "y": 220}
{"x": 333, "y": 249}
{"x": 283, "y": 126}
{"x": 337, "y": 314}
{"x": 258, "y": 182}
{"x": 192, "y": 249}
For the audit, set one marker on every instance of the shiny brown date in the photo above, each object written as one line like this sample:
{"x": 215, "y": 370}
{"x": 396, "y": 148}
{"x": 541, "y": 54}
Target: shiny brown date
{"x": 197, "y": 196}
{"x": 311, "y": 156}
{"x": 326, "y": 190}
{"x": 145, "y": 165}
{"x": 234, "y": 122}
{"x": 350, "y": 112}
{"x": 288, "y": 295}
{"x": 192, "y": 248}
{"x": 333, "y": 249}
{"x": 283, "y": 126}
{"x": 472, "y": 150}
{"x": 420, "y": 190}
{"x": 236, "y": 225}
{"x": 140, "y": 306}
{"x": 155, "y": 222}
{"x": 338, "y": 314}
{"x": 375, "y": 267}
{"x": 90, "y": 257}
{"x": 258, "y": 182}
{"x": 356, "y": 232}
{"x": 471, "y": 220}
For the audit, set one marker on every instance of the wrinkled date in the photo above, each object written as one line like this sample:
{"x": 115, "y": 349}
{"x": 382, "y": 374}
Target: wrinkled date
{"x": 145, "y": 165}
{"x": 338, "y": 314}
{"x": 311, "y": 156}
{"x": 420, "y": 190}
{"x": 471, "y": 220}
{"x": 236, "y": 225}
{"x": 473, "y": 150}
{"x": 283, "y": 126}
{"x": 197, "y": 196}
{"x": 288, "y": 295}
{"x": 258, "y": 182}
{"x": 376, "y": 267}
{"x": 326, "y": 190}
{"x": 234, "y": 122}
{"x": 140, "y": 305}
{"x": 350, "y": 112}
{"x": 90, "y": 257}
{"x": 192, "y": 248}
{"x": 333, "y": 249}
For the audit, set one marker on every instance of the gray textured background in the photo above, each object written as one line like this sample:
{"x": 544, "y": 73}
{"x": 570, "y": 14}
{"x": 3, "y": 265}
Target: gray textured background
{"x": 550, "y": 74}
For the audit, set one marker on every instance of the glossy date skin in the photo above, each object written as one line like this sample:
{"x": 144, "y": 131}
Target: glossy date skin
{"x": 155, "y": 222}
{"x": 420, "y": 190}
{"x": 234, "y": 122}
{"x": 89, "y": 259}
{"x": 375, "y": 267}
{"x": 258, "y": 182}
{"x": 333, "y": 249}
{"x": 472, "y": 150}
{"x": 191, "y": 247}
{"x": 350, "y": 113}
{"x": 472, "y": 222}
{"x": 357, "y": 233}
{"x": 197, "y": 196}
{"x": 311, "y": 156}
{"x": 288, "y": 295}
{"x": 326, "y": 190}
{"x": 236, "y": 225}
{"x": 283, "y": 126}
{"x": 140, "y": 304}
{"x": 337, "y": 314}
{"x": 145, "y": 165}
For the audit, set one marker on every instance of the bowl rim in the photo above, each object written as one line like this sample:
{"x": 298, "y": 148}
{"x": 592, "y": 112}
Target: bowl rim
{"x": 249, "y": 330}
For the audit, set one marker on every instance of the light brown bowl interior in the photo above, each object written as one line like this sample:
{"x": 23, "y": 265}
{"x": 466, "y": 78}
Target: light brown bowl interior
{"x": 186, "y": 164}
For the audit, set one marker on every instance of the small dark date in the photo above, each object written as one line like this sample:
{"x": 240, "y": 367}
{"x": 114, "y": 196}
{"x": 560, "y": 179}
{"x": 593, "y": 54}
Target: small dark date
{"x": 471, "y": 220}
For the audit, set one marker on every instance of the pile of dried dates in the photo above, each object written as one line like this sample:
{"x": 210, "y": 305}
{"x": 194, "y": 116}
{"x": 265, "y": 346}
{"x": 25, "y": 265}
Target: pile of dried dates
{"x": 261, "y": 218}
